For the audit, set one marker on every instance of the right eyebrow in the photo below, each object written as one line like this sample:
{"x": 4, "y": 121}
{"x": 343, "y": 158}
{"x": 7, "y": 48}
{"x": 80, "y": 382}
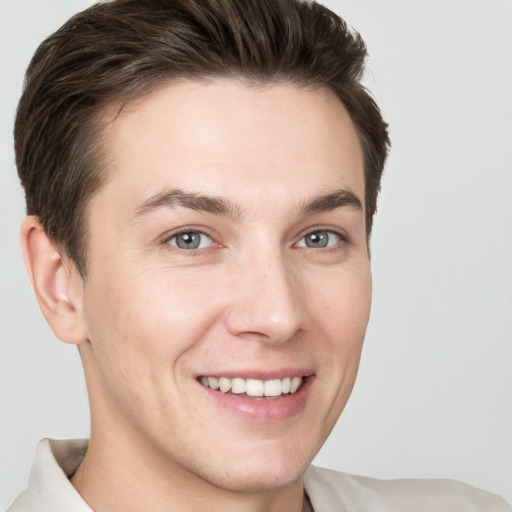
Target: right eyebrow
{"x": 172, "y": 198}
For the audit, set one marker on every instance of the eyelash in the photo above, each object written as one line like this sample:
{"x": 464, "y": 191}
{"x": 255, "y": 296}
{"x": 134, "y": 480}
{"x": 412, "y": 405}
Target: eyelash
{"x": 341, "y": 234}
{"x": 189, "y": 252}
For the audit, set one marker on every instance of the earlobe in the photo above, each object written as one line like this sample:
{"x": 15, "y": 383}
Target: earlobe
{"x": 54, "y": 280}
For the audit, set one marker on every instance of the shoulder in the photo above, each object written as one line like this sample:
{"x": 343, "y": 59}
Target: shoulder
{"x": 331, "y": 491}
{"x": 49, "y": 488}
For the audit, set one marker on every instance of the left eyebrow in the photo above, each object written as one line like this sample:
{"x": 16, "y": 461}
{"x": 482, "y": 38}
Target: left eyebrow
{"x": 337, "y": 199}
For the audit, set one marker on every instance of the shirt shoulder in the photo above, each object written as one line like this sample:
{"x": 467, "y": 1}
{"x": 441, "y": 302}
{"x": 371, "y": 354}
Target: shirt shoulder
{"x": 332, "y": 491}
{"x": 49, "y": 488}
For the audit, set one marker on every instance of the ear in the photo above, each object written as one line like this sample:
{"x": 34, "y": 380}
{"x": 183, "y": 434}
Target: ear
{"x": 56, "y": 282}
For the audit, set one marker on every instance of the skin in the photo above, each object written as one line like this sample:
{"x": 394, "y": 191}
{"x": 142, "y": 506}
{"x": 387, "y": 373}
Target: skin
{"x": 254, "y": 298}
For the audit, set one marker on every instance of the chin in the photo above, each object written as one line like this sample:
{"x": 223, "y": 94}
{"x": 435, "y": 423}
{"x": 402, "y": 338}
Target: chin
{"x": 261, "y": 480}
{"x": 266, "y": 472}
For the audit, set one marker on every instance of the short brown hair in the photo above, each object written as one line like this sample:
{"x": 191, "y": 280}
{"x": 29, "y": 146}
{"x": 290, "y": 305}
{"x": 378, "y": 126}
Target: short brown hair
{"x": 117, "y": 51}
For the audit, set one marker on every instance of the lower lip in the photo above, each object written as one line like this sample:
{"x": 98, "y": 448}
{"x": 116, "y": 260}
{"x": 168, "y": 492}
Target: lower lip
{"x": 263, "y": 409}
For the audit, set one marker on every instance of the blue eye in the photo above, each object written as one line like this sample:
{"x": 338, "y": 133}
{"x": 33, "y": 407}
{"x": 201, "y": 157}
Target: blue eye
{"x": 320, "y": 239}
{"x": 190, "y": 240}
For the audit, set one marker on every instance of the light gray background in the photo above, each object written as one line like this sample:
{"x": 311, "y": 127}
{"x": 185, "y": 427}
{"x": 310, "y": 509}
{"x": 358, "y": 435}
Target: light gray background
{"x": 434, "y": 395}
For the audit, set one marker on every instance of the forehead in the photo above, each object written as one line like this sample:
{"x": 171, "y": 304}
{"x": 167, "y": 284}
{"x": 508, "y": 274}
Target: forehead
{"x": 232, "y": 139}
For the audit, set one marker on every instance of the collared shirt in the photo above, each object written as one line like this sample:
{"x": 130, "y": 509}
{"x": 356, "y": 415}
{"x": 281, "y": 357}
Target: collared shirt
{"x": 50, "y": 490}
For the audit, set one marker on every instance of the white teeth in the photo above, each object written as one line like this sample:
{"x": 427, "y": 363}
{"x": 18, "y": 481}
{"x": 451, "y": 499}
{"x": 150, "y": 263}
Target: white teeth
{"x": 272, "y": 387}
{"x": 224, "y": 384}
{"x": 253, "y": 387}
{"x": 237, "y": 386}
{"x": 213, "y": 382}
{"x": 296, "y": 382}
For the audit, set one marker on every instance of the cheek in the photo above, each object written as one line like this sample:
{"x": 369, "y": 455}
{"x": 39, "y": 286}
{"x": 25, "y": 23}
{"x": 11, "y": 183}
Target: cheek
{"x": 142, "y": 330}
{"x": 140, "y": 327}
{"x": 344, "y": 312}
{"x": 344, "y": 306}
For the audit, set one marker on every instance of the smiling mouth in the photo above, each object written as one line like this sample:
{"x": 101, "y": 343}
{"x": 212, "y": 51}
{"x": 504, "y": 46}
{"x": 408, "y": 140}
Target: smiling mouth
{"x": 255, "y": 388}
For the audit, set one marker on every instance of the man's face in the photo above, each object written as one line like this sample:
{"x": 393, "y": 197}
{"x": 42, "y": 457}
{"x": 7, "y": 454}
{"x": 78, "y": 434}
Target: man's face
{"x": 229, "y": 245}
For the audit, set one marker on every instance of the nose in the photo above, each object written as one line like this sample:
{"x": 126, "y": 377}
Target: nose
{"x": 267, "y": 303}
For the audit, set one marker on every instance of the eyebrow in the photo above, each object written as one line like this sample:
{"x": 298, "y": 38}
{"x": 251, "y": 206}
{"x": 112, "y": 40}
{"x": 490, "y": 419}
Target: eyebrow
{"x": 337, "y": 199}
{"x": 179, "y": 198}
{"x": 175, "y": 198}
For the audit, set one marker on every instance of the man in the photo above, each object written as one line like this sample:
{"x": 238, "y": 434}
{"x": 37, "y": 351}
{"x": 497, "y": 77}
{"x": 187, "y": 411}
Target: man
{"x": 201, "y": 179}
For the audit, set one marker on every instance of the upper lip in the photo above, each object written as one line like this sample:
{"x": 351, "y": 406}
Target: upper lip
{"x": 260, "y": 374}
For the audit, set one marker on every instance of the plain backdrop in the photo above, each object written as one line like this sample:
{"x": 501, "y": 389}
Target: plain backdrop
{"x": 434, "y": 393}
